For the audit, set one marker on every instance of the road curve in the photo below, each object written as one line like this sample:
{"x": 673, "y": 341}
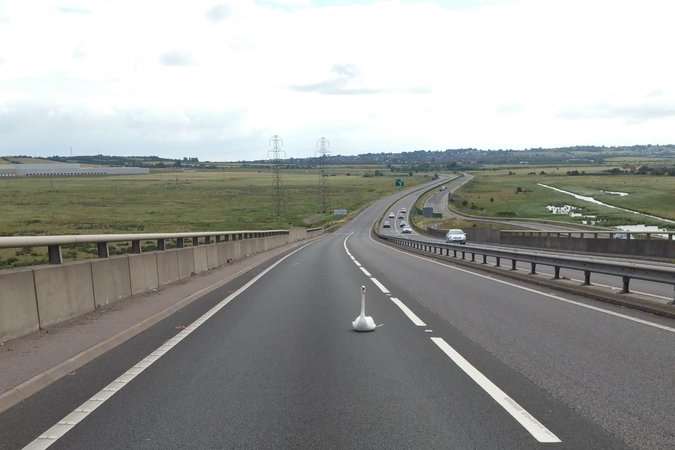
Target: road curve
{"x": 657, "y": 292}
{"x": 460, "y": 361}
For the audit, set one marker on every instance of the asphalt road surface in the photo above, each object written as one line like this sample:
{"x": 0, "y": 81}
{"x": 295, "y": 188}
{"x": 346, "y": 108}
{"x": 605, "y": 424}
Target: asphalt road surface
{"x": 459, "y": 361}
{"x": 652, "y": 291}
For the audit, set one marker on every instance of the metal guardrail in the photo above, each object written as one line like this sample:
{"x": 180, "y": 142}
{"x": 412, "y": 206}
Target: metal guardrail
{"x": 54, "y": 243}
{"x": 615, "y": 234}
{"x": 626, "y": 271}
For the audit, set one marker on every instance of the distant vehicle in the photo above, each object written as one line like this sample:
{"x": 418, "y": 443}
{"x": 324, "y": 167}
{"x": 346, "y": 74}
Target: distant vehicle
{"x": 403, "y": 210}
{"x": 386, "y": 224}
{"x": 401, "y": 216}
{"x": 406, "y": 230}
{"x": 443, "y": 188}
{"x": 456, "y": 236}
{"x": 392, "y": 215}
{"x": 402, "y": 224}
{"x": 621, "y": 235}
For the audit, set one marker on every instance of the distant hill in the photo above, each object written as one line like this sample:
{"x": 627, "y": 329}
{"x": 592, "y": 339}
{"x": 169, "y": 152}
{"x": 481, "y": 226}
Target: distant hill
{"x": 413, "y": 160}
{"x": 23, "y": 160}
{"x": 123, "y": 161}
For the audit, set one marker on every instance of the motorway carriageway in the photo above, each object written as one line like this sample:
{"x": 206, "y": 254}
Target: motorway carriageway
{"x": 460, "y": 360}
{"x": 656, "y": 292}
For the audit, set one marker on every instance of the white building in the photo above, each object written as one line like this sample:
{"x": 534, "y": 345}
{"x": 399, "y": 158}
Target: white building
{"x": 65, "y": 170}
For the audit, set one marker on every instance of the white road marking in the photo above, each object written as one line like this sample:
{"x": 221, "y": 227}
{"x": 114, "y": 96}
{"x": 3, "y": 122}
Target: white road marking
{"x": 428, "y": 331}
{"x": 408, "y": 312}
{"x": 534, "y": 291}
{"x": 57, "y": 431}
{"x": 358, "y": 264}
{"x": 380, "y": 286}
{"x": 365, "y": 272}
{"x": 344, "y": 244}
{"x": 532, "y": 425}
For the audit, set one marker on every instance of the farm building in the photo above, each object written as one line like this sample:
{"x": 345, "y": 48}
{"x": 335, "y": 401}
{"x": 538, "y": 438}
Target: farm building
{"x": 64, "y": 170}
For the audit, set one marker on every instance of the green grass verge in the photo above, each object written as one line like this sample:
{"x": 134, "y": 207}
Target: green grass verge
{"x": 496, "y": 193}
{"x": 175, "y": 201}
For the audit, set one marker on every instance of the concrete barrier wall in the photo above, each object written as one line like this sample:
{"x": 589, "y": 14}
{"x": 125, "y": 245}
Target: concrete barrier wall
{"x": 37, "y": 297}
{"x": 18, "y": 310}
{"x": 297, "y": 234}
{"x": 143, "y": 269}
{"x": 186, "y": 262}
{"x": 63, "y": 292}
{"x": 201, "y": 260}
{"x": 211, "y": 256}
{"x": 111, "y": 279}
{"x": 167, "y": 267}
{"x": 637, "y": 247}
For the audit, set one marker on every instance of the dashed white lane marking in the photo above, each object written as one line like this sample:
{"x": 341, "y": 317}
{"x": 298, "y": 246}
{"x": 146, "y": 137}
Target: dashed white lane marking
{"x": 358, "y": 264}
{"x": 428, "y": 331}
{"x": 380, "y": 286}
{"x": 532, "y": 425}
{"x": 408, "y": 312}
{"x": 365, "y": 272}
{"x": 50, "y": 436}
{"x": 534, "y": 291}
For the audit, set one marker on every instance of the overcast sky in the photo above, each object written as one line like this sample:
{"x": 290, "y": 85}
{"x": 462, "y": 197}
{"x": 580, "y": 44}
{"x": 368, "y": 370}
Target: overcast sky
{"x": 217, "y": 79}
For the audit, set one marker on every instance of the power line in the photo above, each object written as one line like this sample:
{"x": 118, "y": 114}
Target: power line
{"x": 323, "y": 145}
{"x": 275, "y": 155}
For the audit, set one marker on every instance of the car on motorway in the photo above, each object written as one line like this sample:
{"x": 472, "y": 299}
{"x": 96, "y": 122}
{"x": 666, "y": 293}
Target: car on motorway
{"x": 402, "y": 224}
{"x": 386, "y": 224}
{"x": 406, "y": 230}
{"x": 403, "y": 210}
{"x": 392, "y": 215}
{"x": 456, "y": 236}
{"x": 401, "y": 216}
{"x": 443, "y": 188}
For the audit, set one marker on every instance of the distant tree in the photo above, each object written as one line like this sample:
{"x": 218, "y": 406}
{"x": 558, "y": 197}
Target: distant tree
{"x": 519, "y": 190}
{"x": 492, "y": 200}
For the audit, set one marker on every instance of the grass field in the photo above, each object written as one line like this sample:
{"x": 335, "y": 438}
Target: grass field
{"x": 495, "y": 193}
{"x": 176, "y": 201}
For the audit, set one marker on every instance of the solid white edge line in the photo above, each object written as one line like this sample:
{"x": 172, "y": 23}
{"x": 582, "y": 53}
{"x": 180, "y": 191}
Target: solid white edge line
{"x": 344, "y": 244}
{"x": 534, "y": 291}
{"x": 408, "y": 312}
{"x": 57, "y": 431}
{"x": 380, "y": 286}
{"x": 532, "y": 425}
{"x": 365, "y": 272}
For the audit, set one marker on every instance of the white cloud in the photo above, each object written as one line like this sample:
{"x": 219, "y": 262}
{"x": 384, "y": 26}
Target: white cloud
{"x": 176, "y": 58}
{"x": 218, "y": 12}
{"x": 488, "y": 74}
